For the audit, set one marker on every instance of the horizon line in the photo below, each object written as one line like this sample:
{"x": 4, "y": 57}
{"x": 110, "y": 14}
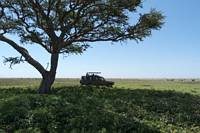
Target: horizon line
{"x": 181, "y": 78}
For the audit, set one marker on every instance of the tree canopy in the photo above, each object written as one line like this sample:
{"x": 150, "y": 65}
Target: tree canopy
{"x": 69, "y": 26}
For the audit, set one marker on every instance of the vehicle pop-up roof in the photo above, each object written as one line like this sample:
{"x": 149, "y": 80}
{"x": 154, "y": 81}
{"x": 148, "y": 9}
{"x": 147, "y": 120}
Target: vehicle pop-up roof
{"x": 95, "y": 73}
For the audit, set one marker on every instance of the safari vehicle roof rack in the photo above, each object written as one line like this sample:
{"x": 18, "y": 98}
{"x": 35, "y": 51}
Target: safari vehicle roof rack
{"x": 90, "y": 73}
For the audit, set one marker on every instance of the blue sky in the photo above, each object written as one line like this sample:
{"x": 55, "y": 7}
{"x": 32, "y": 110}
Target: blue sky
{"x": 172, "y": 52}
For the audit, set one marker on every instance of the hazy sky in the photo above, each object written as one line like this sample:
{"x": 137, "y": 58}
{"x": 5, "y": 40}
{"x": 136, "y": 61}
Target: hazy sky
{"x": 172, "y": 52}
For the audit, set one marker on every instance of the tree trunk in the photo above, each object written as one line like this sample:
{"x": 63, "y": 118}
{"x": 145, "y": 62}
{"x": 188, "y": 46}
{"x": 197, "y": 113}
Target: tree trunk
{"x": 49, "y": 77}
{"x": 46, "y": 84}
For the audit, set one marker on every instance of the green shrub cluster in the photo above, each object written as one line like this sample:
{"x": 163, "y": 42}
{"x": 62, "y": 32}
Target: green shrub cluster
{"x": 98, "y": 110}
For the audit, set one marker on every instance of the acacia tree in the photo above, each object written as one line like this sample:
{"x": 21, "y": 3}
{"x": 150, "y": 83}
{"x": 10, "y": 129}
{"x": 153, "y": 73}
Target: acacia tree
{"x": 70, "y": 26}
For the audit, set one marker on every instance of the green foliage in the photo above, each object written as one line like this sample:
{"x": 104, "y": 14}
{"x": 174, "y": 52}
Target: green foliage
{"x": 13, "y": 60}
{"x": 102, "y": 110}
{"x": 77, "y": 22}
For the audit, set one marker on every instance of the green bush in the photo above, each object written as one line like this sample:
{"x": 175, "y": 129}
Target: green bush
{"x": 91, "y": 110}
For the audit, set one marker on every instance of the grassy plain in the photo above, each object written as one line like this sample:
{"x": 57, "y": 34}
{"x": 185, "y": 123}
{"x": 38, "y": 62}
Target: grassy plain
{"x": 132, "y": 105}
{"x": 191, "y": 86}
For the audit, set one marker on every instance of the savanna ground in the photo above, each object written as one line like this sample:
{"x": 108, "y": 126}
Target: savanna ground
{"x": 131, "y": 106}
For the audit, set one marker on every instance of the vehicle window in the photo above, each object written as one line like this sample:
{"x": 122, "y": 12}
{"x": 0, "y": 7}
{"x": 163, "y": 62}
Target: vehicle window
{"x": 102, "y": 79}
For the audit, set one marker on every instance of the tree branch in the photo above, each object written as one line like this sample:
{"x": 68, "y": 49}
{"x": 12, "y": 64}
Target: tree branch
{"x": 49, "y": 29}
{"x": 25, "y": 54}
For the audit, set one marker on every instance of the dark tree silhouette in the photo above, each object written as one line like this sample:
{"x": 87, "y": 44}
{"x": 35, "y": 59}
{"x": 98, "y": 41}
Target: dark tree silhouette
{"x": 69, "y": 26}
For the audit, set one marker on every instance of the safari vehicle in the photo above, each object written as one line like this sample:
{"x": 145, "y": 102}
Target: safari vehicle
{"x": 92, "y": 78}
